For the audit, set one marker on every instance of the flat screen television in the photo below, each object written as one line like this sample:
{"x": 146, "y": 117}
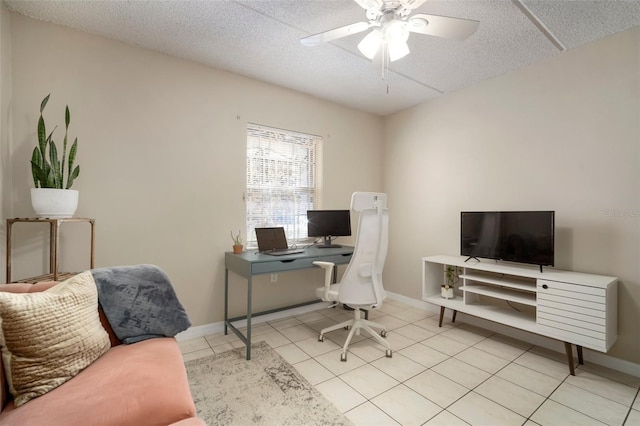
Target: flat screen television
{"x": 328, "y": 224}
{"x": 513, "y": 236}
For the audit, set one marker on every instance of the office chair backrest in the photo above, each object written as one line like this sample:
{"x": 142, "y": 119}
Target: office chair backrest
{"x": 361, "y": 283}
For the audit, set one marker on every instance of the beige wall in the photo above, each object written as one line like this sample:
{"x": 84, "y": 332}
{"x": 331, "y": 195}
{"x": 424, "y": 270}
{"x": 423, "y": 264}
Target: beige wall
{"x": 5, "y": 95}
{"x": 162, "y": 145}
{"x": 561, "y": 135}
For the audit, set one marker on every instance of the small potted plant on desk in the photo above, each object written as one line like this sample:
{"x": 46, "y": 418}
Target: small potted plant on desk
{"x": 237, "y": 242}
{"x": 451, "y": 279}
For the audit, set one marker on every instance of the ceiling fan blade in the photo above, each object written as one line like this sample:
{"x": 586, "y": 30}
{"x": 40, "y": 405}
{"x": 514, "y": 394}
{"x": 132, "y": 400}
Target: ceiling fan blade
{"x": 335, "y": 33}
{"x": 370, "y": 4}
{"x": 442, "y": 26}
{"x": 414, "y": 4}
{"x": 405, "y": 7}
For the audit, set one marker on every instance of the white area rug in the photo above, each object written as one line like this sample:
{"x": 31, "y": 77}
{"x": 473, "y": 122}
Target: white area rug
{"x": 266, "y": 390}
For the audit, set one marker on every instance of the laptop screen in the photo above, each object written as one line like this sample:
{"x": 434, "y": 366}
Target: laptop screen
{"x": 271, "y": 238}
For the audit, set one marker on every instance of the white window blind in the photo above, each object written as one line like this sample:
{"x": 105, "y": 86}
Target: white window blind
{"x": 282, "y": 180}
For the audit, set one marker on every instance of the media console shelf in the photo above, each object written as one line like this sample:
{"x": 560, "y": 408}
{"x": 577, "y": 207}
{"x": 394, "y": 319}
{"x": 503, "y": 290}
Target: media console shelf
{"x": 578, "y": 309}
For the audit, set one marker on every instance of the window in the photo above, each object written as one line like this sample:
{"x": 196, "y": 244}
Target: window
{"x": 282, "y": 180}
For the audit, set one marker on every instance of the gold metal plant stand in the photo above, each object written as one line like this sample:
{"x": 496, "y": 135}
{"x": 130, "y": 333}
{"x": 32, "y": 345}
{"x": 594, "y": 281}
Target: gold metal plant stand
{"x": 54, "y": 232}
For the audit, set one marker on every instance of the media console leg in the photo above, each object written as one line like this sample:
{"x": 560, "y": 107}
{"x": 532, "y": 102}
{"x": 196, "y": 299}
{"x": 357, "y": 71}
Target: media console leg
{"x": 441, "y": 316}
{"x": 580, "y": 358}
{"x": 569, "y": 351}
{"x": 453, "y": 319}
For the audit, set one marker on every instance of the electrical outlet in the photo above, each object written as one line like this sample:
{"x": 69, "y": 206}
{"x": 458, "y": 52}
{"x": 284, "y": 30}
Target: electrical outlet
{"x": 274, "y": 278}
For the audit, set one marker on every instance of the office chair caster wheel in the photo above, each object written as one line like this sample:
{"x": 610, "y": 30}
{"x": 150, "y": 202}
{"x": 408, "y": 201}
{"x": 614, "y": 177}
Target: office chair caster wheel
{"x": 321, "y": 338}
{"x": 346, "y": 327}
{"x": 343, "y": 357}
{"x": 389, "y": 354}
{"x": 383, "y": 333}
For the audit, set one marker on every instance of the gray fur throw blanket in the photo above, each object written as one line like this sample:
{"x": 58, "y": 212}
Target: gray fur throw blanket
{"x": 139, "y": 302}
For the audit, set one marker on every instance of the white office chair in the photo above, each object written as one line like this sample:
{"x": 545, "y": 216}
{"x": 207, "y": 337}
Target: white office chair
{"x": 361, "y": 285}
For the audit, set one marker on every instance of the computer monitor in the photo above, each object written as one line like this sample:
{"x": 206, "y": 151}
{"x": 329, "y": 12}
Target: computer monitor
{"x": 328, "y": 224}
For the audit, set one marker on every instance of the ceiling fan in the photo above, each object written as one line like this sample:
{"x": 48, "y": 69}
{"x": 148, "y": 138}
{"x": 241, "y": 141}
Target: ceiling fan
{"x": 392, "y": 23}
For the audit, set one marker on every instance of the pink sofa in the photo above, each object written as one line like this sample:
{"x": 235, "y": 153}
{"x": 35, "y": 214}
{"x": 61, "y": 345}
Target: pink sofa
{"x": 144, "y": 383}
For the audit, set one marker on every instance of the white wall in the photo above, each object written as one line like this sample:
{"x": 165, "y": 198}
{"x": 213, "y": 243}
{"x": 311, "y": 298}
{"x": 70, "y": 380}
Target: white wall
{"x": 162, "y": 145}
{"x": 559, "y": 135}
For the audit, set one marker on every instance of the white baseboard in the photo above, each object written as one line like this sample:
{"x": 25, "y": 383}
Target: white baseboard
{"x": 535, "y": 339}
{"x": 413, "y": 302}
{"x": 218, "y": 327}
{"x": 200, "y": 331}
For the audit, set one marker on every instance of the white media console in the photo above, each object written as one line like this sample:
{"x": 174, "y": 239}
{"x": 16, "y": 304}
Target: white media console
{"x": 578, "y": 309}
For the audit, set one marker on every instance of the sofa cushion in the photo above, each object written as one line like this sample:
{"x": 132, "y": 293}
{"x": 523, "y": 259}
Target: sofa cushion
{"x": 131, "y": 385}
{"x": 17, "y": 288}
{"x": 48, "y": 337}
{"x": 191, "y": 421}
{"x": 27, "y": 287}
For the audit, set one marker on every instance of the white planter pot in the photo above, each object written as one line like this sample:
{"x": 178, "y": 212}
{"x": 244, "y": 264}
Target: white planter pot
{"x": 447, "y": 293}
{"x": 54, "y": 203}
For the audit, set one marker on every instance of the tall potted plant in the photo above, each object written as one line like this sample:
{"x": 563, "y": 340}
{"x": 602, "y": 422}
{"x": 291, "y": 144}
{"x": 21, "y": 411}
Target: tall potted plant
{"x": 52, "y": 196}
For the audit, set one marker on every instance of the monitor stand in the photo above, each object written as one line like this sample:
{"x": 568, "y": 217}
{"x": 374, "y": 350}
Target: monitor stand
{"x": 326, "y": 243}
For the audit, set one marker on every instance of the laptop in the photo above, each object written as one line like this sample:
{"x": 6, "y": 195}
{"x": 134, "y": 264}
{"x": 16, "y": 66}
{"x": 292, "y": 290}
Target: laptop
{"x": 273, "y": 241}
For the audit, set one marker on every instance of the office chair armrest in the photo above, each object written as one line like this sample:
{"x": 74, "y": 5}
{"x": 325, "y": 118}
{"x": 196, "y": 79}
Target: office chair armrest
{"x": 328, "y": 274}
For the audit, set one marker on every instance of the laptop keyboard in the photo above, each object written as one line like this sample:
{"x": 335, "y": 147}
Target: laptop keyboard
{"x": 282, "y": 252}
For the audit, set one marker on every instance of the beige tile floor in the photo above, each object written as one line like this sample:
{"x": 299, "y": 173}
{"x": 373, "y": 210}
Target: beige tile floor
{"x": 454, "y": 375}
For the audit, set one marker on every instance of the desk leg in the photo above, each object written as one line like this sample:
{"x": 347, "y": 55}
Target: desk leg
{"x": 249, "y": 304}
{"x": 226, "y": 299}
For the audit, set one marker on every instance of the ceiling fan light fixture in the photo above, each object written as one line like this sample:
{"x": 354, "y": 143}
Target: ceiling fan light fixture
{"x": 393, "y": 37}
{"x": 397, "y": 49}
{"x": 396, "y": 30}
{"x": 371, "y": 43}
{"x": 392, "y": 23}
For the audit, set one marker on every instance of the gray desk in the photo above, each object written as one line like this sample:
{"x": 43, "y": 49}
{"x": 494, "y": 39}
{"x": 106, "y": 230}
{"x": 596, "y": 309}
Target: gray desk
{"x": 251, "y": 263}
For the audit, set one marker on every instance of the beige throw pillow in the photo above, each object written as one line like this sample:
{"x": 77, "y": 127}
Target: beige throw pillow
{"x": 50, "y": 336}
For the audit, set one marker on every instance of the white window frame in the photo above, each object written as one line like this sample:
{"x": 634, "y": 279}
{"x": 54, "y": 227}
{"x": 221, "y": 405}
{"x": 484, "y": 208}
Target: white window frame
{"x": 283, "y": 180}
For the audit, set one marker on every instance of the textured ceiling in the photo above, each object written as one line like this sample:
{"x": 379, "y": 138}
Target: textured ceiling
{"x": 260, "y": 39}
